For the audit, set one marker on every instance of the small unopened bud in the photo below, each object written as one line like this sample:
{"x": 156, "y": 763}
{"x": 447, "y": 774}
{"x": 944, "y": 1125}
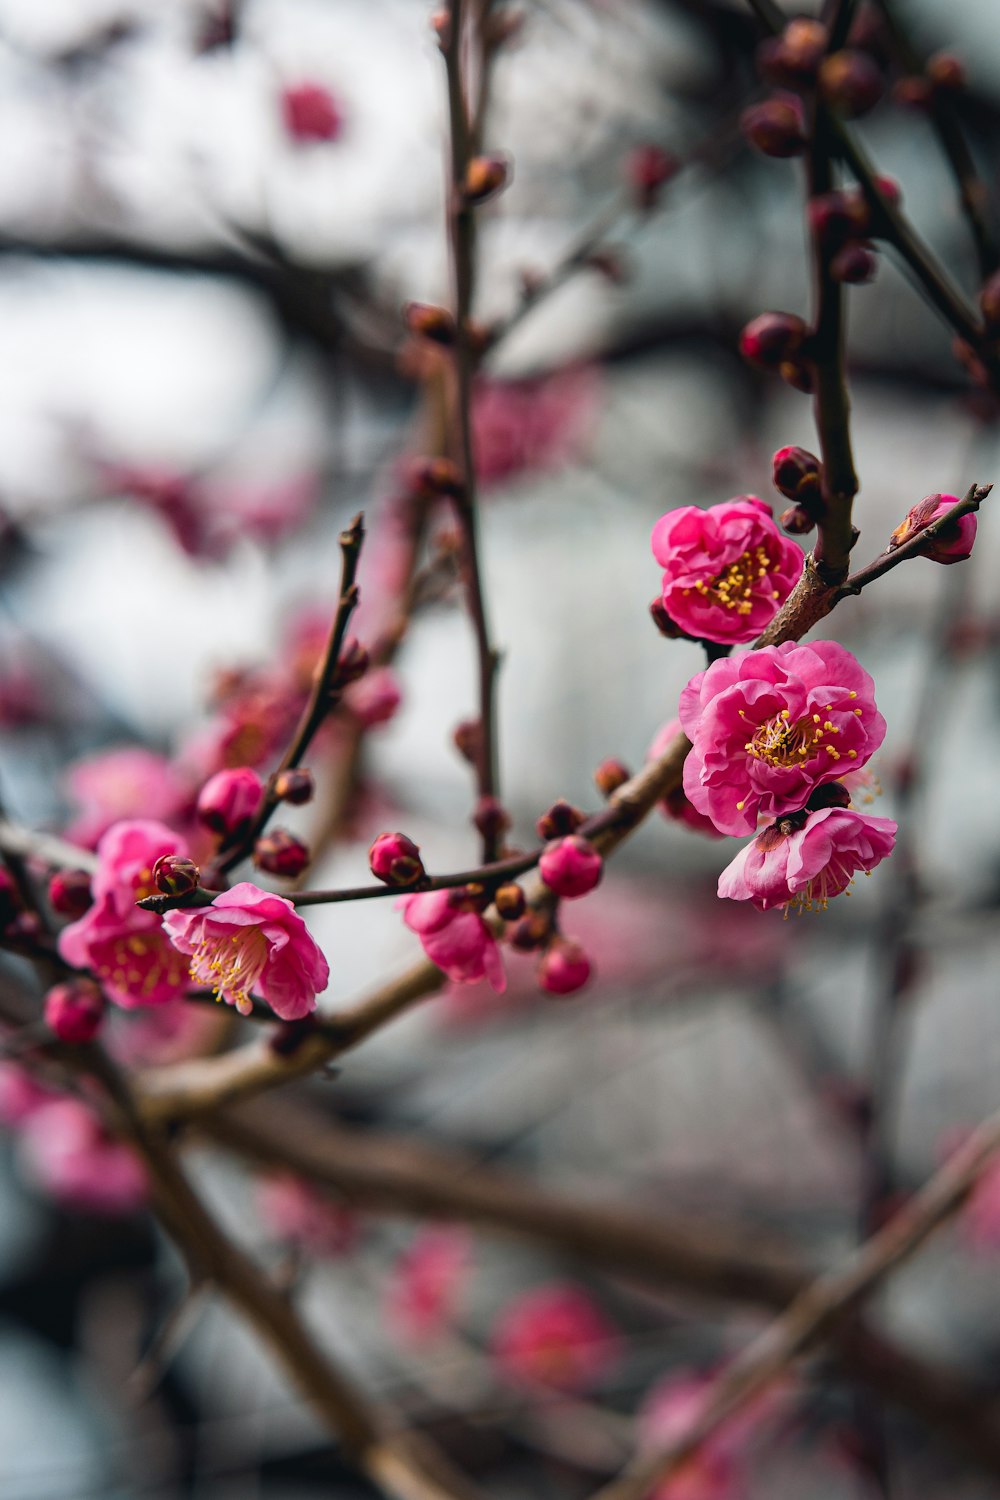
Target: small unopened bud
{"x": 427, "y": 321}
{"x": 838, "y": 216}
{"x": 889, "y": 189}
{"x": 851, "y": 82}
{"x": 74, "y": 1011}
{"x": 803, "y": 45}
{"x": 509, "y": 901}
{"x": 176, "y": 875}
{"x": 796, "y": 473}
{"x": 989, "y": 302}
{"x": 571, "y": 867}
{"x": 774, "y": 127}
{"x": 467, "y": 737}
{"x": 798, "y": 374}
{"x": 472, "y": 897}
{"x": 564, "y": 968}
{"x": 913, "y": 92}
{"x": 70, "y": 893}
{"x": 560, "y": 819}
{"x": 491, "y": 818}
{"x": 647, "y": 169}
{"x": 352, "y": 663}
{"x": 484, "y": 177}
{"x": 395, "y": 859}
{"x": 530, "y": 932}
{"x": 281, "y": 853}
{"x": 610, "y": 775}
{"x": 856, "y": 264}
{"x": 772, "y": 339}
{"x": 295, "y": 786}
{"x": 946, "y": 72}
{"x": 797, "y": 521}
{"x": 310, "y": 113}
{"x": 434, "y": 478}
{"x": 229, "y": 799}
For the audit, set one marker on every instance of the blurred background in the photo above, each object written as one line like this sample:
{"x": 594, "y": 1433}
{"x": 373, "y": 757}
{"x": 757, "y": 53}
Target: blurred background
{"x": 204, "y": 376}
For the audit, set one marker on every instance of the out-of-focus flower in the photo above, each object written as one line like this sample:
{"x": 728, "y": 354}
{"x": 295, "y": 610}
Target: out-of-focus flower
{"x": 20, "y": 1094}
{"x": 726, "y": 570}
{"x": 768, "y": 726}
{"x": 250, "y": 940}
{"x": 953, "y": 543}
{"x": 668, "y": 1411}
{"x": 74, "y": 1011}
{"x": 519, "y": 426}
{"x": 281, "y": 853}
{"x": 124, "y": 946}
{"x": 804, "y": 863}
{"x": 310, "y": 112}
{"x": 122, "y": 783}
{"x": 426, "y": 1284}
{"x": 565, "y": 967}
{"x": 296, "y": 1211}
{"x": 375, "y": 698}
{"x": 69, "y": 892}
{"x": 456, "y": 939}
{"x": 676, "y": 805}
{"x": 555, "y": 1336}
{"x": 570, "y": 866}
{"x": 65, "y": 1150}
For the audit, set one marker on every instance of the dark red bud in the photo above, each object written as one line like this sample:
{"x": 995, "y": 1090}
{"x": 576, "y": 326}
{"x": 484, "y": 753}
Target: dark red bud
{"x": 774, "y": 127}
{"x": 855, "y": 264}
{"x": 427, "y": 321}
{"x": 610, "y": 775}
{"x": 472, "y": 897}
{"x": 797, "y": 373}
{"x": 281, "y": 853}
{"x": 74, "y": 1011}
{"x": 772, "y": 339}
{"x": 561, "y": 819}
{"x": 10, "y": 900}
{"x": 838, "y": 216}
{"x": 851, "y": 82}
{"x": 69, "y": 892}
{"x": 509, "y": 901}
{"x": 913, "y": 92}
{"x": 796, "y": 473}
{"x": 353, "y": 662}
{"x": 467, "y": 738}
{"x": 491, "y": 818}
{"x": 176, "y": 875}
{"x": 433, "y": 478}
{"x": 295, "y": 786}
{"x": 797, "y": 521}
{"x": 889, "y": 189}
{"x": 530, "y": 932}
{"x": 395, "y": 858}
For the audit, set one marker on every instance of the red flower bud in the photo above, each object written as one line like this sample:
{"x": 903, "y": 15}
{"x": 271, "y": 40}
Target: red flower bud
{"x": 564, "y": 968}
{"x": 855, "y": 264}
{"x": 310, "y": 113}
{"x": 295, "y": 786}
{"x": 647, "y": 168}
{"x": 913, "y": 92}
{"x": 484, "y": 177}
{"x": 509, "y": 901}
{"x": 797, "y": 373}
{"x": 281, "y": 853}
{"x": 838, "y": 216}
{"x": 176, "y": 875}
{"x": 775, "y": 127}
{"x": 429, "y": 322}
{"x": 467, "y": 738}
{"x": 772, "y": 339}
{"x": 10, "y": 900}
{"x": 395, "y": 859}
{"x": 530, "y": 932}
{"x": 571, "y": 867}
{"x": 560, "y": 819}
{"x": 610, "y": 775}
{"x": 74, "y": 1011}
{"x": 851, "y": 82}
{"x": 796, "y": 473}
{"x": 889, "y": 189}
{"x": 797, "y": 521}
{"x": 229, "y": 800}
{"x": 491, "y": 818}
{"x": 946, "y": 72}
{"x": 69, "y": 892}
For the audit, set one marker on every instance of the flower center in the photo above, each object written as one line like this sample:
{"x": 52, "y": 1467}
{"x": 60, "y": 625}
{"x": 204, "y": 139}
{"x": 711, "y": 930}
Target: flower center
{"x": 230, "y": 963}
{"x": 779, "y": 742}
{"x": 734, "y": 586}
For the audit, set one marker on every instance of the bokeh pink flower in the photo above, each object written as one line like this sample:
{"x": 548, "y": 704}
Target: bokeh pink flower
{"x": 555, "y": 1336}
{"x": 426, "y": 1284}
{"x": 65, "y": 1150}
{"x": 456, "y": 939}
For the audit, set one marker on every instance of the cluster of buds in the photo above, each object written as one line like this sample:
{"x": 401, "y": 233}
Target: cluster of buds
{"x": 797, "y": 475}
{"x": 943, "y": 76}
{"x": 842, "y": 224}
{"x": 798, "y": 62}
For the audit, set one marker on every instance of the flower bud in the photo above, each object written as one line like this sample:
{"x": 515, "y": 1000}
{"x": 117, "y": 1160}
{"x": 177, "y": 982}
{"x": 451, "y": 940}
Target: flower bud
{"x": 610, "y": 775}
{"x": 801, "y": 48}
{"x": 69, "y": 892}
{"x": 798, "y": 374}
{"x": 10, "y": 900}
{"x": 851, "y": 82}
{"x": 509, "y": 901}
{"x": 797, "y": 521}
{"x": 229, "y": 800}
{"x": 560, "y": 819}
{"x": 838, "y": 216}
{"x": 856, "y": 264}
{"x": 889, "y": 189}
{"x": 774, "y": 127}
{"x": 647, "y": 169}
{"x": 796, "y": 473}
{"x": 772, "y": 339}
{"x": 913, "y": 92}
{"x": 472, "y": 897}
{"x": 295, "y": 786}
{"x": 395, "y": 859}
{"x": 946, "y": 72}
{"x": 564, "y": 968}
{"x": 281, "y": 853}
{"x": 429, "y": 322}
{"x": 434, "y": 478}
{"x": 352, "y": 662}
{"x": 467, "y": 738}
{"x": 571, "y": 867}
{"x": 989, "y": 302}
{"x": 74, "y": 1011}
{"x": 953, "y": 543}
{"x": 484, "y": 177}
{"x": 530, "y": 932}
{"x": 176, "y": 875}
{"x": 310, "y": 113}
{"x": 491, "y": 818}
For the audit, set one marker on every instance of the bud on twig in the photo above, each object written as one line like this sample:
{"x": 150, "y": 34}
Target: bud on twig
{"x": 295, "y": 786}
{"x": 485, "y": 176}
{"x": 851, "y": 82}
{"x": 352, "y": 663}
{"x": 772, "y": 339}
{"x": 509, "y": 901}
{"x": 395, "y": 859}
{"x": 647, "y": 169}
{"x": 281, "y": 853}
{"x": 610, "y": 775}
{"x": 69, "y": 892}
{"x": 427, "y": 321}
{"x": 176, "y": 875}
{"x": 561, "y": 819}
{"x": 491, "y": 818}
{"x": 775, "y": 127}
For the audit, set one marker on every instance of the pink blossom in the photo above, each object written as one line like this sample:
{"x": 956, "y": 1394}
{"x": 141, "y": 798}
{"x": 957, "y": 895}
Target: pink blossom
{"x": 953, "y": 544}
{"x": 804, "y": 864}
{"x": 124, "y": 946}
{"x": 74, "y": 1011}
{"x": 570, "y": 866}
{"x": 248, "y": 940}
{"x": 123, "y": 783}
{"x": 427, "y": 1282}
{"x": 675, "y": 804}
{"x": 395, "y": 858}
{"x": 555, "y": 1335}
{"x": 66, "y": 1151}
{"x": 229, "y": 799}
{"x": 176, "y": 497}
{"x": 768, "y": 726}
{"x": 523, "y": 425}
{"x": 458, "y": 941}
{"x": 375, "y": 698}
{"x": 298, "y": 1212}
{"x": 669, "y": 1410}
{"x": 564, "y": 968}
{"x": 20, "y": 1094}
{"x": 310, "y": 112}
{"x": 726, "y": 570}
{"x": 264, "y": 510}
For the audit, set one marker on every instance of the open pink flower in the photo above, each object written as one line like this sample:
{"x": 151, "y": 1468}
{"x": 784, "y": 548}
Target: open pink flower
{"x": 126, "y": 782}
{"x": 123, "y": 946}
{"x": 458, "y": 941}
{"x": 427, "y": 1282}
{"x": 248, "y": 941}
{"x": 675, "y": 804}
{"x": 66, "y": 1151}
{"x": 953, "y": 544}
{"x": 726, "y": 570}
{"x": 298, "y": 1212}
{"x": 556, "y": 1336}
{"x": 804, "y": 864}
{"x": 768, "y": 726}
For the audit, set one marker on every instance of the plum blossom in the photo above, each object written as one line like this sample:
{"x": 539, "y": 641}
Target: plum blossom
{"x": 125, "y": 947}
{"x": 230, "y": 799}
{"x": 455, "y": 939}
{"x": 125, "y": 782}
{"x": 675, "y": 804}
{"x": 375, "y": 698}
{"x": 805, "y": 860}
{"x": 555, "y": 1335}
{"x": 953, "y": 544}
{"x": 427, "y": 1282}
{"x": 768, "y": 726}
{"x": 298, "y": 1212}
{"x": 250, "y": 940}
{"x": 726, "y": 570}
{"x": 65, "y": 1150}
{"x": 564, "y": 968}
{"x": 570, "y": 866}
